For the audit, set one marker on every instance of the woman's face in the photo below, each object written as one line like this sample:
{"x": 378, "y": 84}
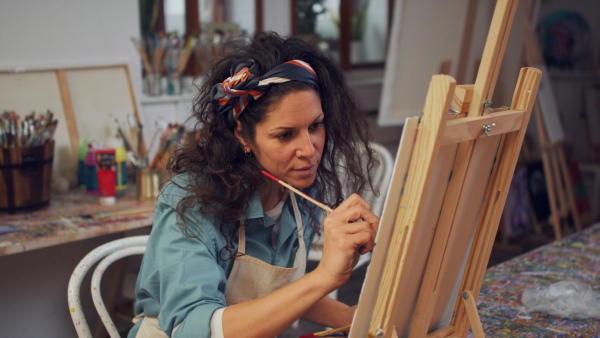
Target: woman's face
{"x": 289, "y": 141}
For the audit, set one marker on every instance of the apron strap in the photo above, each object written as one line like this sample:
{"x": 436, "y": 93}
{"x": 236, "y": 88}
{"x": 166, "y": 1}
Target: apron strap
{"x": 137, "y": 318}
{"x": 301, "y": 254}
{"x": 242, "y": 237}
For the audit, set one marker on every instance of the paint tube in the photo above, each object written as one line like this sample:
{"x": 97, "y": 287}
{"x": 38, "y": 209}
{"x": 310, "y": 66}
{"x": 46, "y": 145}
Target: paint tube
{"x": 105, "y": 169}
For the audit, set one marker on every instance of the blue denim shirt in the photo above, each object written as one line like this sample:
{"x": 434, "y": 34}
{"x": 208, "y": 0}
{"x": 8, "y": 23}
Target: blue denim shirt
{"x": 184, "y": 279}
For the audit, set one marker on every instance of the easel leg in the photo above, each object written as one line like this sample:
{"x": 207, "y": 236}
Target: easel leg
{"x": 569, "y": 187}
{"x": 472, "y": 314}
{"x": 554, "y": 217}
{"x": 560, "y": 184}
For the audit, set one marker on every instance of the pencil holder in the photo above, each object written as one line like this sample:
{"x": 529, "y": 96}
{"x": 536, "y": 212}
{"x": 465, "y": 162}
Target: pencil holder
{"x": 174, "y": 83}
{"x": 148, "y": 184}
{"x": 153, "y": 84}
{"x": 25, "y": 177}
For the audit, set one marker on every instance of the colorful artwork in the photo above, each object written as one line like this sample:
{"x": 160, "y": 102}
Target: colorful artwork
{"x": 574, "y": 258}
{"x": 565, "y": 37}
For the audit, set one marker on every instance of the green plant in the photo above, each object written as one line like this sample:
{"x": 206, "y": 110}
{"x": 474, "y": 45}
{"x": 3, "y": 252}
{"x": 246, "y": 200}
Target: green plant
{"x": 358, "y": 22}
{"x": 307, "y": 12}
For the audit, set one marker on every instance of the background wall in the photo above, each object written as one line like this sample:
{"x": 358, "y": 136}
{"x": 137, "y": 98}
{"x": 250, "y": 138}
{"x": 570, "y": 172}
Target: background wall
{"x": 49, "y": 34}
{"x": 59, "y": 33}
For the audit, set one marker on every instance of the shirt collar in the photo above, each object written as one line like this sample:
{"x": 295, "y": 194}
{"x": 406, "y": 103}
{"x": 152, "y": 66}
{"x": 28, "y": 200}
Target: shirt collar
{"x": 255, "y": 209}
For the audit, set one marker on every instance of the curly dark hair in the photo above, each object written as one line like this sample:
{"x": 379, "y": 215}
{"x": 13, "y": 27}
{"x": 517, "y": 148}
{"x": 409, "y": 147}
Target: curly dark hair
{"x": 222, "y": 177}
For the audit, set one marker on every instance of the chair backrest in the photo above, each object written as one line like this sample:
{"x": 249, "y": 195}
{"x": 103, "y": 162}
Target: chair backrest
{"x": 108, "y": 253}
{"x": 381, "y": 177}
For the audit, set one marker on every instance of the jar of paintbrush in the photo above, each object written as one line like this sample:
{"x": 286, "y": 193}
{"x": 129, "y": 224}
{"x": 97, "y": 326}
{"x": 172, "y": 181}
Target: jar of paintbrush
{"x": 26, "y": 160}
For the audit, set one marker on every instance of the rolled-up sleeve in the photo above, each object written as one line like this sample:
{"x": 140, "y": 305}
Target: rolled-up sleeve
{"x": 182, "y": 279}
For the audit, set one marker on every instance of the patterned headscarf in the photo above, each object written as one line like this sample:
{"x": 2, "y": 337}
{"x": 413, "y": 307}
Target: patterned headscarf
{"x": 237, "y": 91}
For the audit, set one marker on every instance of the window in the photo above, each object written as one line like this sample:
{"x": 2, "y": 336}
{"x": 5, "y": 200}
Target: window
{"x": 352, "y": 32}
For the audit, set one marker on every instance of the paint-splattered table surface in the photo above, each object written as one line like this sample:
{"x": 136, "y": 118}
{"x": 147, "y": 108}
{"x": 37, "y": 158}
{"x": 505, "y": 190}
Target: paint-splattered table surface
{"x": 575, "y": 258}
{"x": 71, "y": 217}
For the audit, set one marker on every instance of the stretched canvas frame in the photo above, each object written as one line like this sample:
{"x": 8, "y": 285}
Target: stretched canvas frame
{"x": 85, "y": 100}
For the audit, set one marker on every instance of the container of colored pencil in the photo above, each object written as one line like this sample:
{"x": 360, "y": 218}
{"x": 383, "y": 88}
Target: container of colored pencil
{"x": 148, "y": 184}
{"x": 153, "y": 84}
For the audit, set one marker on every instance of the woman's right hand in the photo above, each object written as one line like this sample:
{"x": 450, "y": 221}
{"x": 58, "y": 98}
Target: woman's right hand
{"x": 349, "y": 231}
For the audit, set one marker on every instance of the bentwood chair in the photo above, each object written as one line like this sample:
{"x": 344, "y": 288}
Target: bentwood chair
{"x": 108, "y": 253}
{"x": 381, "y": 177}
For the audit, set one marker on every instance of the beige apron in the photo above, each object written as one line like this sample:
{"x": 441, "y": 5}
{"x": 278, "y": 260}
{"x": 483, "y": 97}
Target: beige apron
{"x": 250, "y": 278}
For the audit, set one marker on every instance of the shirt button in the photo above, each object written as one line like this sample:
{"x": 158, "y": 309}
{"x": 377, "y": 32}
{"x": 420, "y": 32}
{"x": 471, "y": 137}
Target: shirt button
{"x": 261, "y": 221}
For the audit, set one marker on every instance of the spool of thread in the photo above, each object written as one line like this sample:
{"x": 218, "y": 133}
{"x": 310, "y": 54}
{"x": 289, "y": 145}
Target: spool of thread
{"x": 91, "y": 178}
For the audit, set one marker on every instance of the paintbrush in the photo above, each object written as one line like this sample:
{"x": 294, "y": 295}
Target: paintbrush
{"x": 140, "y": 48}
{"x": 310, "y": 199}
{"x": 186, "y": 54}
{"x": 119, "y": 213}
{"x": 339, "y": 332}
{"x": 131, "y": 155}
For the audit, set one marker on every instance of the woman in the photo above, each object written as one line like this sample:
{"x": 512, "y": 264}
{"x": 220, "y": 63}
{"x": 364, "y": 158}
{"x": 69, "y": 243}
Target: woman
{"x": 227, "y": 252}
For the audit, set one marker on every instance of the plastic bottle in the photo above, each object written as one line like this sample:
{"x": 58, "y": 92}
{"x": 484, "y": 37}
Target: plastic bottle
{"x": 121, "y": 164}
{"x": 121, "y": 158}
{"x": 106, "y": 172}
{"x": 81, "y": 171}
{"x": 91, "y": 179}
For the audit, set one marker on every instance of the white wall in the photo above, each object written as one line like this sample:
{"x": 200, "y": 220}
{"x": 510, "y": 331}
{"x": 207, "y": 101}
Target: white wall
{"x": 277, "y": 16}
{"x": 48, "y": 34}
{"x": 61, "y": 33}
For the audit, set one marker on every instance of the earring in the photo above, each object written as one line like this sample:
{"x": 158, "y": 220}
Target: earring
{"x": 248, "y": 153}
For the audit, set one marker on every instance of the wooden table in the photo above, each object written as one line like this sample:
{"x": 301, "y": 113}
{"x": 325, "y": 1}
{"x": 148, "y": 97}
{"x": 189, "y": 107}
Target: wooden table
{"x": 575, "y": 258}
{"x": 71, "y": 217}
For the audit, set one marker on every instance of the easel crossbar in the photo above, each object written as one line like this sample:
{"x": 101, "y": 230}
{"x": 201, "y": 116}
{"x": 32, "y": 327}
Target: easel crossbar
{"x": 471, "y": 128}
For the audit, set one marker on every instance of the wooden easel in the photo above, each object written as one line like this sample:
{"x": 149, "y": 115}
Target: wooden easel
{"x": 452, "y": 176}
{"x": 558, "y": 182}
